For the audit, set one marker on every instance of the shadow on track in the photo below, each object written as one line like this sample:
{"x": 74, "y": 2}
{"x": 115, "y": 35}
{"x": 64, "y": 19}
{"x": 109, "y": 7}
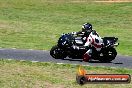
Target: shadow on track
{"x": 92, "y": 61}
{"x": 73, "y": 59}
{"x": 118, "y": 63}
{"x": 96, "y": 61}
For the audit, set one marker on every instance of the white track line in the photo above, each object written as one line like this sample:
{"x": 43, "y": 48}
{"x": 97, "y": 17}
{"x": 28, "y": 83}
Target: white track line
{"x": 34, "y": 61}
{"x": 13, "y": 48}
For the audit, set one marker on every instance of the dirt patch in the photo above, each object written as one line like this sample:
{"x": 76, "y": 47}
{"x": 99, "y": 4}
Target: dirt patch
{"x": 5, "y": 25}
{"x": 112, "y": 1}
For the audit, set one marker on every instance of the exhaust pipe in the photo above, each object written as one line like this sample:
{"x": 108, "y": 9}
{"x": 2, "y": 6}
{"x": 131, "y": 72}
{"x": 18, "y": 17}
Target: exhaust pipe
{"x": 116, "y": 44}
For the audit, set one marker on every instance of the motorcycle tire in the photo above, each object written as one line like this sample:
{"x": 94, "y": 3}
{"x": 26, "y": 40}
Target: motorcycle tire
{"x": 57, "y": 53}
{"x": 108, "y": 55}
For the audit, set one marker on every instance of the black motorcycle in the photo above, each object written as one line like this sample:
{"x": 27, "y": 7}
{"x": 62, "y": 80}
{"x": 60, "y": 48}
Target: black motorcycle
{"x": 66, "y": 41}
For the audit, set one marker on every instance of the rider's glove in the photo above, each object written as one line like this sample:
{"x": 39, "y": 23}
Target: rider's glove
{"x": 84, "y": 38}
{"x": 74, "y": 33}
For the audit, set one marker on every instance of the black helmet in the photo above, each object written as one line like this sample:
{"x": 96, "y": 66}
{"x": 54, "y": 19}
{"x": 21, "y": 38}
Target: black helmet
{"x": 87, "y": 27}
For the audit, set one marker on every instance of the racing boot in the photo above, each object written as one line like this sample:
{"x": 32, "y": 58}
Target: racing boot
{"x": 86, "y": 57}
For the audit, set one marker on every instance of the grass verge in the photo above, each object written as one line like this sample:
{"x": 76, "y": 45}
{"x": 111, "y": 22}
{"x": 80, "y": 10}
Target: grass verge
{"x": 37, "y": 24}
{"x": 26, "y": 74}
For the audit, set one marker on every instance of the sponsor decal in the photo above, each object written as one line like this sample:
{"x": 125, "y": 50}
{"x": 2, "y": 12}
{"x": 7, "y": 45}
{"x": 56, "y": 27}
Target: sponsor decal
{"x": 82, "y": 77}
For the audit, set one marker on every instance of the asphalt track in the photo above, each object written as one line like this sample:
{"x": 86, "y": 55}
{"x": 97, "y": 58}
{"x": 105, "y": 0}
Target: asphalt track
{"x": 44, "y": 56}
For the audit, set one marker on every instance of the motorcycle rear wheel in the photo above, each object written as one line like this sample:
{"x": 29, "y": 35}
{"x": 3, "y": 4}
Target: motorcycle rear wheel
{"x": 108, "y": 55}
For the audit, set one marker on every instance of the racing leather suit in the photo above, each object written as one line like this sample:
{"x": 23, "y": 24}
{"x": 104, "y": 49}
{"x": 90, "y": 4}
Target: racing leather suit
{"x": 83, "y": 34}
{"x": 94, "y": 40}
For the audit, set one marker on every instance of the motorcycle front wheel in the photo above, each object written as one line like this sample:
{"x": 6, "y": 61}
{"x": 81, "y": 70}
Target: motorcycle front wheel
{"x": 57, "y": 52}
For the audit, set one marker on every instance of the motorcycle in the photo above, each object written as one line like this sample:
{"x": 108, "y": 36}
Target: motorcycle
{"x": 64, "y": 48}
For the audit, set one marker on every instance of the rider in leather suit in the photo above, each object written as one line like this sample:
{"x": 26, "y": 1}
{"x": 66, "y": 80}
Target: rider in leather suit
{"x": 92, "y": 39}
{"x": 86, "y": 30}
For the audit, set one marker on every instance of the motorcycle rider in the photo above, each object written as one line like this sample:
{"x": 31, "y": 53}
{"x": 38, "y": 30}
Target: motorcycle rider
{"x": 86, "y": 30}
{"x": 92, "y": 39}
{"x": 84, "y": 33}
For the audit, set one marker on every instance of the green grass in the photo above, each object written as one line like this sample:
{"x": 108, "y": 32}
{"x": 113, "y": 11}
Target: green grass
{"x": 26, "y": 74}
{"x": 37, "y": 24}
